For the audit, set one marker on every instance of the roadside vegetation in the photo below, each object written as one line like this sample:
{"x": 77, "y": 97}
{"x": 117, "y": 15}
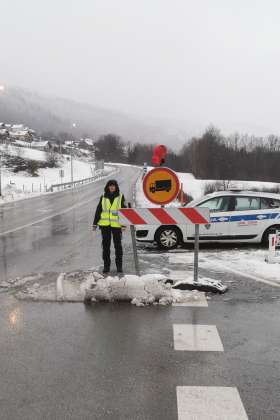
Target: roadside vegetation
{"x": 19, "y": 163}
{"x": 211, "y": 156}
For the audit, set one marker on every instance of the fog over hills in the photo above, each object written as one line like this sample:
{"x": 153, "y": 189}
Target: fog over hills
{"x": 45, "y": 113}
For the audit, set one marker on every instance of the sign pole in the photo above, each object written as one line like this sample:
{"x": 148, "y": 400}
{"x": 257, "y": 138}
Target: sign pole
{"x": 135, "y": 254}
{"x": 196, "y": 250}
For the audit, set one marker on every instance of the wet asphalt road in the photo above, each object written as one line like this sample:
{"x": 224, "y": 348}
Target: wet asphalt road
{"x": 117, "y": 361}
{"x": 60, "y": 243}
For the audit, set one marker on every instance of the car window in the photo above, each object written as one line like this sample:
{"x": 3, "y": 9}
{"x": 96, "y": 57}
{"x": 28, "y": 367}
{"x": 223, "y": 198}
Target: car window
{"x": 269, "y": 203}
{"x": 247, "y": 203}
{"x": 216, "y": 204}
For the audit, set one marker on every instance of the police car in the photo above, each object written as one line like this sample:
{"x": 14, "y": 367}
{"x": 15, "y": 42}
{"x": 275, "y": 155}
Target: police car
{"x": 236, "y": 216}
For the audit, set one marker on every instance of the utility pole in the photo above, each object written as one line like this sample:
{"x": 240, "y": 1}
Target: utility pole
{"x": 74, "y": 125}
{"x": 71, "y": 160}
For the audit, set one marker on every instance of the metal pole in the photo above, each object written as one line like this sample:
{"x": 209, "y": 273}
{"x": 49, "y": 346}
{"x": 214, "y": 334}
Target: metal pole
{"x": 196, "y": 250}
{"x": 72, "y": 163}
{"x": 135, "y": 255}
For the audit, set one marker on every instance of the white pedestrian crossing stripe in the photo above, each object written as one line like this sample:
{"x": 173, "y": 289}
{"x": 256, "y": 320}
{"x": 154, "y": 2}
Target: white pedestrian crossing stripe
{"x": 209, "y": 403}
{"x": 193, "y": 337}
{"x": 198, "y": 300}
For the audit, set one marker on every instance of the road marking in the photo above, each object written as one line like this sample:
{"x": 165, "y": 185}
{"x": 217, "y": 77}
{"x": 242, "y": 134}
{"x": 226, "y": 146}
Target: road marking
{"x": 60, "y": 287}
{"x": 249, "y": 276}
{"x": 48, "y": 217}
{"x": 193, "y": 337}
{"x": 199, "y": 300}
{"x": 44, "y": 210}
{"x": 209, "y": 403}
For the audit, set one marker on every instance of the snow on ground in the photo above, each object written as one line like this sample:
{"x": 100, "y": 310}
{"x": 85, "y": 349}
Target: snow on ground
{"x": 248, "y": 262}
{"x": 21, "y": 185}
{"x": 24, "y": 152}
{"x": 92, "y": 286}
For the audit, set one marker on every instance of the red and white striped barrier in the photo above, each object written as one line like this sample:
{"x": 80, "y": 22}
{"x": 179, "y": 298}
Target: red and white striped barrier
{"x": 273, "y": 253}
{"x": 164, "y": 216}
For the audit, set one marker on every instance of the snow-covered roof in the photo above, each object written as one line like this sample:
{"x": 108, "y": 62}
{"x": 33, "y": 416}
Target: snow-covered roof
{"x": 89, "y": 142}
{"x": 18, "y": 126}
{"x": 39, "y": 143}
{"x": 19, "y": 133}
{"x": 22, "y": 143}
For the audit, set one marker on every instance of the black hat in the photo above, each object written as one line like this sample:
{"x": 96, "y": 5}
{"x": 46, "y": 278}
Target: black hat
{"x": 112, "y": 182}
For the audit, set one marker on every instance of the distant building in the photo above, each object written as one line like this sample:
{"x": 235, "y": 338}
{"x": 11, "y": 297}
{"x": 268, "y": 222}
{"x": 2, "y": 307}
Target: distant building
{"x": 46, "y": 146}
{"x": 21, "y": 143}
{"x": 4, "y": 134}
{"x": 87, "y": 144}
{"x": 25, "y": 135}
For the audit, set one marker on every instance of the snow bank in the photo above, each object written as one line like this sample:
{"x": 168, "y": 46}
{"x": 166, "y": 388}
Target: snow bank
{"x": 247, "y": 261}
{"x": 93, "y": 287}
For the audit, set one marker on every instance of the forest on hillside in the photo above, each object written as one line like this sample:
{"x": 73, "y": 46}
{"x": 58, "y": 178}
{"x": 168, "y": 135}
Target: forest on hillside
{"x": 211, "y": 156}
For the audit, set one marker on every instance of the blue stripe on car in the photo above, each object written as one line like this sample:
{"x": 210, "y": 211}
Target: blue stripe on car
{"x": 240, "y": 217}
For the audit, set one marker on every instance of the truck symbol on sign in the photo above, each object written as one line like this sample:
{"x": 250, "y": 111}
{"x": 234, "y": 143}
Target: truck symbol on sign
{"x": 161, "y": 185}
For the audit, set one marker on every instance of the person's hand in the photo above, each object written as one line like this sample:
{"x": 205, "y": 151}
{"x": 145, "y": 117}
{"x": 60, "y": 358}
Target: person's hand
{"x": 94, "y": 227}
{"x": 123, "y": 228}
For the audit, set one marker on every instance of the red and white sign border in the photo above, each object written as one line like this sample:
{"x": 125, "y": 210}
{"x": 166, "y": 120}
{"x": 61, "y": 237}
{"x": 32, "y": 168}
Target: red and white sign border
{"x": 145, "y": 186}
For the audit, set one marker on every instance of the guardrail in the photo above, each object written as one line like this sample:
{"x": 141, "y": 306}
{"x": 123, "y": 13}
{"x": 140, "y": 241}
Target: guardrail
{"x": 79, "y": 182}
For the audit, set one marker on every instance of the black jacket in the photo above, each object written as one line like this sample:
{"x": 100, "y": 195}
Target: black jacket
{"x": 111, "y": 197}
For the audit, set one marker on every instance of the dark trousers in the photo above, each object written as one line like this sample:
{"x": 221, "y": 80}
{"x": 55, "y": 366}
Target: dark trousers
{"x": 107, "y": 233}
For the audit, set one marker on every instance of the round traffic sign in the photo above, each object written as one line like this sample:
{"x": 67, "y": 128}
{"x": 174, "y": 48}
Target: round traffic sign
{"x": 161, "y": 185}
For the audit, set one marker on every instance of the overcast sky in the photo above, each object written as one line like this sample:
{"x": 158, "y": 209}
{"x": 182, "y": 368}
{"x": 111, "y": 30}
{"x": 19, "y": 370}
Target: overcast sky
{"x": 198, "y": 61}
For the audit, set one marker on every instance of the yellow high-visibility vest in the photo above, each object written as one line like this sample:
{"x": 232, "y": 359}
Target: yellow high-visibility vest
{"x": 109, "y": 215}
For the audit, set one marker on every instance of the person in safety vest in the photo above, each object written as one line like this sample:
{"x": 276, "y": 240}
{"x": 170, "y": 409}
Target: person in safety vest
{"x": 106, "y": 217}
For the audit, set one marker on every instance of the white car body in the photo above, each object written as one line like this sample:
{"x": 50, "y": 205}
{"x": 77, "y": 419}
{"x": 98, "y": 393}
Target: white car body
{"x": 239, "y": 216}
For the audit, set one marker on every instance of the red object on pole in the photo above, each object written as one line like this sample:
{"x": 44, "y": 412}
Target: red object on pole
{"x": 159, "y": 155}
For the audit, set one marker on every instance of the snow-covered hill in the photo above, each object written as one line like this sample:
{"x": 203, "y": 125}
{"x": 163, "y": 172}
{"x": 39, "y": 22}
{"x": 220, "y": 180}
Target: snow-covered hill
{"x": 22, "y": 185}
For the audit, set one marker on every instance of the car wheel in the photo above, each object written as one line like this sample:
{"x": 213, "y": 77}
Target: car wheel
{"x": 168, "y": 237}
{"x": 269, "y": 231}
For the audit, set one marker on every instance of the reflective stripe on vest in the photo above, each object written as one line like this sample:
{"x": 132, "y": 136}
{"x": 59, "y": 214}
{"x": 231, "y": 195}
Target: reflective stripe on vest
{"x": 109, "y": 215}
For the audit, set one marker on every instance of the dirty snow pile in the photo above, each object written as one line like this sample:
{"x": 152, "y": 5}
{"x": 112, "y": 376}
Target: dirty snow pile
{"x": 140, "y": 291}
{"x": 93, "y": 287}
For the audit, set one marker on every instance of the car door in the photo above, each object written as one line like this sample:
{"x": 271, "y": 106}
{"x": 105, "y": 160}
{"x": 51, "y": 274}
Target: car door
{"x": 218, "y": 229}
{"x": 247, "y": 218}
